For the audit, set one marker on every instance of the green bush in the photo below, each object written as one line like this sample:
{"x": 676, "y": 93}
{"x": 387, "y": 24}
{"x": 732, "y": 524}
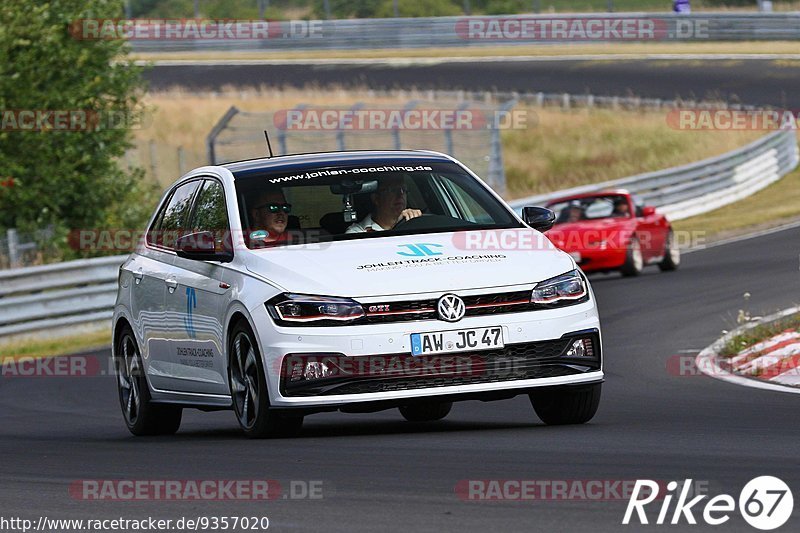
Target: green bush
{"x": 64, "y": 179}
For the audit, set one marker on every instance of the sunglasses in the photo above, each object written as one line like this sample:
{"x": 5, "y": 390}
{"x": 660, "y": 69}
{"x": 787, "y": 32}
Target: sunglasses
{"x": 276, "y": 208}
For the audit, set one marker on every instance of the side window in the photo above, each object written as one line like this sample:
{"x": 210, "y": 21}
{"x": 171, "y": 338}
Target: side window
{"x": 152, "y": 233}
{"x": 210, "y": 213}
{"x": 173, "y": 221}
{"x": 472, "y": 210}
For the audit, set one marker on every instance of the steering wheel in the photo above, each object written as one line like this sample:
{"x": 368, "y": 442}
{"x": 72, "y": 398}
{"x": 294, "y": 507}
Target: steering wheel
{"x": 405, "y": 220}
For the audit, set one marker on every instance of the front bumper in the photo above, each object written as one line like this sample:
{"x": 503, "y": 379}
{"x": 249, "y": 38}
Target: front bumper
{"x": 533, "y": 356}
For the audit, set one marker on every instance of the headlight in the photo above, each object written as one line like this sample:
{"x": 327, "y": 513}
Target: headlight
{"x": 564, "y": 289}
{"x": 292, "y": 309}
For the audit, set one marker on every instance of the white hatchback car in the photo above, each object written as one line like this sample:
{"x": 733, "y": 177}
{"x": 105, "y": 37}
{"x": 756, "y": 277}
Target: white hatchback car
{"x": 352, "y": 281}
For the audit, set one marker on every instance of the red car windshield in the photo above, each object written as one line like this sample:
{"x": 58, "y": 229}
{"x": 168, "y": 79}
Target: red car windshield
{"x": 591, "y": 208}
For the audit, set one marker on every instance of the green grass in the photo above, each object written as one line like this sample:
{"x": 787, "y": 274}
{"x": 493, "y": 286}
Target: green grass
{"x": 759, "y": 333}
{"x": 777, "y": 204}
{"x": 54, "y": 347}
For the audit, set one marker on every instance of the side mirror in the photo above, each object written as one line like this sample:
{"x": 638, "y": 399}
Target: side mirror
{"x": 539, "y": 218}
{"x": 201, "y": 246}
{"x": 648, "y": 211}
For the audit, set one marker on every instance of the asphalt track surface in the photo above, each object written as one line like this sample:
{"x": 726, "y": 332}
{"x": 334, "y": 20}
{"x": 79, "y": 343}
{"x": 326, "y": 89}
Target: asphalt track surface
{"x": 381, "y": 473}
{"x": 755, "y": 82}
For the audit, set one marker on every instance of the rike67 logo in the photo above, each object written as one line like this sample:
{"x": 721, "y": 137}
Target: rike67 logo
{"x": 765, "y": 503}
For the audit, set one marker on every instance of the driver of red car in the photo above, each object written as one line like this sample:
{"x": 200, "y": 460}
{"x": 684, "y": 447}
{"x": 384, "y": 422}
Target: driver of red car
{"x": 388, "y": 207}
{"x": 621, "y": 208}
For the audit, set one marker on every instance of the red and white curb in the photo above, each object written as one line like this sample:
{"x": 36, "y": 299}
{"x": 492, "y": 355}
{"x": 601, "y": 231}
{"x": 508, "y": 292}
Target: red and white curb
{"x": 772, "y": 364}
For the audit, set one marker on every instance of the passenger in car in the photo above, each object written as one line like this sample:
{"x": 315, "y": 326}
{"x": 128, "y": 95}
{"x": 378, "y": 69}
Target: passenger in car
{"x": 389, "y": 206}
{"x": 269, "y": 218}
{"x": 572, "y": 213}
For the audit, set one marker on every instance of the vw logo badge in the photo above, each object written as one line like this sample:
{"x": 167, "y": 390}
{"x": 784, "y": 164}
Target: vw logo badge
{"x": 451, "y": 308}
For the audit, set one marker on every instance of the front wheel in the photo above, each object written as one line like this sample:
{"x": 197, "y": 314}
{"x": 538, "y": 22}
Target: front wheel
{"x": 634, "y": 261}
{"x": 426, "y": 412}
{"x": 672, "y": 255}
{"x": 566, "y": 405}
{"x": 248, "y": 385}
{"x": 142, "y": 416}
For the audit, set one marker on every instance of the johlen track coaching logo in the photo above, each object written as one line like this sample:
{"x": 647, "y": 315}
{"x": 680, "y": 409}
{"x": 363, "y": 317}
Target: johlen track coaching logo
{"x": 420, "y": 249}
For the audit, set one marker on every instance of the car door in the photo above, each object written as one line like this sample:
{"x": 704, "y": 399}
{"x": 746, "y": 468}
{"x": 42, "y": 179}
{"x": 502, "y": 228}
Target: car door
{"x": 148, "y": 271}
{"x": 651, "y": 232}
{"x": 195, "y": 302}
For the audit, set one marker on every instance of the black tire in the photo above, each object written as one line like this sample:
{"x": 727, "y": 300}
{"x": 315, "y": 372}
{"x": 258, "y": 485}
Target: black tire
{"x": 141, "y": 415}
{"x": 672, "y": 255}
{"x": 634, "y": 261}
{"x": 249, "y": 392}
{"x": 426, "y": 412}
{"x": 566, "y": 405}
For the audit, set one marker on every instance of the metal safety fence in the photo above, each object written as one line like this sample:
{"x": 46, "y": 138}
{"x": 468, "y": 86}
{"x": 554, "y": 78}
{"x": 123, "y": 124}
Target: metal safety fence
{"x": 467, "y": 130}
{"x": 465, "y": 31}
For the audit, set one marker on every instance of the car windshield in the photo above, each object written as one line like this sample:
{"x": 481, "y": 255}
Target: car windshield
{"x": 591, "y": 208}
{"x": 330, "y": 203}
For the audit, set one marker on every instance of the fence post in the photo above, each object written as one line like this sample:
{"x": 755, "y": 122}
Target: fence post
{"x": 13, "y": 247}
{"x": 497, "y": 172}
{"x": 215, "y": 131}
{"x": 448, "y": 133}
{"x": 340, "y": 129}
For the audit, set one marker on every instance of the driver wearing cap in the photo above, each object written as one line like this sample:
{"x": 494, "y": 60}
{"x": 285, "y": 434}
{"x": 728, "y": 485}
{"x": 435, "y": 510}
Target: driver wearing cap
{"x": 388, "y": 207}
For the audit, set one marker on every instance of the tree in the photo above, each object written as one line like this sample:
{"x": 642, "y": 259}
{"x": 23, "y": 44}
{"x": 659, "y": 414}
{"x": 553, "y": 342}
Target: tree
{"x": 68, "y": 178}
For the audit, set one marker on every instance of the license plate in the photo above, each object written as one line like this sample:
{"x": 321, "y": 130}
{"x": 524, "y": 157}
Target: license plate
{"x": 576, "y": 256}
{"x": 460, "y": 340}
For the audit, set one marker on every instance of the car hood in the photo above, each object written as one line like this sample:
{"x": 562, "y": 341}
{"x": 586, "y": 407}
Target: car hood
{"x": 412, "y": 264}
{"x": 581, "y": 235}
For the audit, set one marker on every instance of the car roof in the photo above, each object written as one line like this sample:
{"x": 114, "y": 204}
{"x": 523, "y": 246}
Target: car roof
{"x": 607, "y": 192}
{"x": 252, "y": 167}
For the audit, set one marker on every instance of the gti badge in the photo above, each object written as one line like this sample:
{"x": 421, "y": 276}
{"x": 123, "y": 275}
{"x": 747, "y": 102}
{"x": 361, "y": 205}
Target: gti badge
{"x": 451, "y": 308}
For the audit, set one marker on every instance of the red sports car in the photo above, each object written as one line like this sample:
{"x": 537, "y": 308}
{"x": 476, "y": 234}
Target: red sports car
{"x": 606, "y": 231}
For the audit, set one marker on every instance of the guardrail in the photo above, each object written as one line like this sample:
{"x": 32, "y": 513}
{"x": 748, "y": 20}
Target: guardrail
{"x": 425, "y": 32}
{"x": 700, "y": 187}
{"x": 53, "y": 299}
{"x": 57, "y": 298}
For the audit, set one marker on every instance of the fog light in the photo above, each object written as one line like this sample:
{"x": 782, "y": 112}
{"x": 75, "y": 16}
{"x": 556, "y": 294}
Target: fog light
{"x": 581, "y": 348}
{"x": 316, "y": 370}
{"x": 300, "y": 367}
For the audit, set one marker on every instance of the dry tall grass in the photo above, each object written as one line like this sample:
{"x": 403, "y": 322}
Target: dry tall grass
{"x": 558, "y": 149}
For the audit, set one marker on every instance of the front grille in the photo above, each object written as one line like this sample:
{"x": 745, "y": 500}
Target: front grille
{"x": 477, "y": 305}
{"x": 397, "y": 372}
